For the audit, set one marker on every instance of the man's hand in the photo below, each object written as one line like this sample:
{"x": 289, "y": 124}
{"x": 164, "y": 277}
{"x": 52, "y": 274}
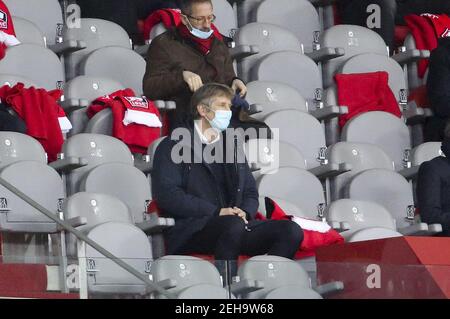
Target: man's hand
{"x": 233, "y": 211}
{"x": 238, "y": 85}
{"x": 193, "y": 80}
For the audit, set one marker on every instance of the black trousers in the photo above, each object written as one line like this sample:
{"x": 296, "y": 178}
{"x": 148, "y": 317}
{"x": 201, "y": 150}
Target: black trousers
{"x": 227, "y": 238}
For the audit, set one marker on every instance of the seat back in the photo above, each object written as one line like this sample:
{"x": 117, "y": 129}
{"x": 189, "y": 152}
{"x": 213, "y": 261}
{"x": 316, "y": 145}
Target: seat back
{"x": 274, "y": 272}
{"x": 301, "y": 130}
{"x": 274, "y": 96}
{"x": 90, "y": 87}
{"x": 380, "y": 128}
{"x": 245, "y": 11}
{"x": 361, "y": 157}
{"x": 293, "y": 292}
{"x": 46, "y": 14}
{"x": 12, "y": 79}
{"x": 203, "y": 291}
{"x": 28, "y": 32}
{"x": 16, "y": 147}
{"x": 355, "y": 40}
{"x": 97, "y": 209}
{"x": 226, "y": 21}
{"x": 126, "y": 242}
{"x": 101, "y": 123}
{"x": 425, "y": 152}
{"x": 294, "y": 185}
{"x": 359, "y": 215}
{"x": 187, "y": 271}
{"x": 96, "y": 149}
{"x": 95, "y": 34}
{"x": 386, "y": 188}
{"x": 122, "y": 181}
{"x": 298, "y": 16}
{"x": 34, "y": 62}
{"x": 268, "y": 38}
{"x": 28, "y": 177}
{"x": 128, "y": 66}
{"x": 292, "y": 68}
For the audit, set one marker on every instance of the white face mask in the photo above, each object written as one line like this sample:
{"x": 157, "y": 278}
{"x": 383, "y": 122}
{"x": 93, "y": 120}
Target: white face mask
{"x": 197, "y": 32}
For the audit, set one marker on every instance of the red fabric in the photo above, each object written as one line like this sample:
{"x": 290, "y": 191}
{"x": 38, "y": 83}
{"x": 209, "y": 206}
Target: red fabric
{"x": 425, "y": 37}
{"x": 6, "y": 25}
{"x": 400, "y": 33}
{"x": 138, "y": 137}
{"x": 440, "y": 23}
{"x": 311, "y": 239}
{"x": 365, "y": 92}
{"x": 39, "y": 109}
{"x": 170, "y": 18}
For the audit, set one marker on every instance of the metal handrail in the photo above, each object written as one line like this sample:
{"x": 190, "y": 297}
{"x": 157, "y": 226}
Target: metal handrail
{"x": 86, "y": 239}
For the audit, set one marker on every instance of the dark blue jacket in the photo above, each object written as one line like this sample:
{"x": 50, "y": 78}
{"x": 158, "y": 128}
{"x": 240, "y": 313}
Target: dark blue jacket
{"x": 188, "y": 192}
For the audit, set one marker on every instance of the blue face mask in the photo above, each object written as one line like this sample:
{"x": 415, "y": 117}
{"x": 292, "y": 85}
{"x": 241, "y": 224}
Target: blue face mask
{"x": 199, "y": 33}
{"x": 221, "y": 120}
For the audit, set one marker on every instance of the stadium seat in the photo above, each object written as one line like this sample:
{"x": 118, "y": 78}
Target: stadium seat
{"x": 374, "y": 233}
{"x": 28, "y": 32}
{"x": 361, "y": 157}
{"x": 256, "y": 40}
{"x": 132, "y": 247}
{"x": 296, "y": 186}
{"x": 92, "y": 35}
{"x": 16, "y": 147}
{"x": 11, "y": 80}
{"x": 273, "y": 273}
{"x": 116, "y": 63}
{"x": 358, "y": 215}
{"x": 36, "y": 63}
{"x": 45, "y": 14}
{"x": 392, "y": 191}
{"x": 188, "y": 277}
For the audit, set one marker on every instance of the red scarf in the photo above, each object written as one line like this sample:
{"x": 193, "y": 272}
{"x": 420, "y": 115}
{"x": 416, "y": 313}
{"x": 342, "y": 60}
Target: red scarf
{"x": 203, "y": 45}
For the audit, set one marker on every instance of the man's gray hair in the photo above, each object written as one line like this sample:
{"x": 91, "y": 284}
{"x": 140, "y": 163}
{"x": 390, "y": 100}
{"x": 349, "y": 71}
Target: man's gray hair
{"x": 186, "y": 5}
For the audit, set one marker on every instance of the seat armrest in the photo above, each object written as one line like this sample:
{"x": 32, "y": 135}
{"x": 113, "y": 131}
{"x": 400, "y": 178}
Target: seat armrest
{"x": 71, "y": 105}
{"x": 75, "y": 222}
{"x": 155, "y": 224}
{"x": 255, "y": 108}
{"x": 164, "y": 284}
{"x": 339, "y": 226}
{"x": 419, "y": 229}
{"x": 242, "y": 51}
{"x": 330, "y": 170}
{"x": 68, "y": 46}
{"x": 330, "y": 288}
{"x": 325, "y": 54}
{"x": 329, "y": 112}
{"x": 410, "y": 172}
{"x": 68, "y": 164}
{"x": 246, "y": 286}
{"x": 408, "y": 56}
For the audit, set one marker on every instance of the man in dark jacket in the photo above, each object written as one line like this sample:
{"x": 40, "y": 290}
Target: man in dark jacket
{"x": 433, "y": 188}
{"x": 212, "y": 199}
{"x": 182, "y": 59}
{"x": 438, "y": 87}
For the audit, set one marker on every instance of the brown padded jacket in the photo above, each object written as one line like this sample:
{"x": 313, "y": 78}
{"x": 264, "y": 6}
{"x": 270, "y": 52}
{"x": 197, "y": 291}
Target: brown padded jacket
{"x": 168, "y": 56}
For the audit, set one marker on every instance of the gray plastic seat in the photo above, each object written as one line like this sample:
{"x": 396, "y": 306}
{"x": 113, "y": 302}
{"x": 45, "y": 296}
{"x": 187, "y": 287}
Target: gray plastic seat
{"x": 79, "y": 94}
{"x": 244, "y": 11}
{"x": 301, "y": 130}
{"x": 11, "y": 80}
{"x": 414, "y": 80}
{"x": 267, "y": 38}
{"x": 131, "y": 246}
{"x": 15, "y": 147}
{"x": 380, "y": 128}
{"x": 361, "y": 156}
{"x": 274, "y": 272}
{"x": 265, "y": 156}
{"x": 226, "y": 19}
{"x": 297, "y": 186}
{"x": 292, "y": 68}
{"x": 46, "y": 14}
{"x": 96, "y": 150}
{"x": 203, "y": 291}
{"x": 120, "y": 64}
{"x": 36, "y": 63}
{"x": 87, "y": 210}
{"x": 274, "y": 96}
{"x": 355, "y": 40}
{"x": 359, "y": 215}
{"x": 298, "y": 16}
{"x": 28, "y": 176}
{"x": 373, "y": 233}
{"x": 94, "y": 34}
{"x": 187, "y": 272}
{"x": 425, "y": 152}
{"x": 28, "y": 32}
{"x": 392, "y": 191}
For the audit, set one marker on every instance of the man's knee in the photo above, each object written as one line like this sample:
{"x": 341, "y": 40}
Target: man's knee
{"x": 291, "y": 231}
{"x": 233, "y": 225}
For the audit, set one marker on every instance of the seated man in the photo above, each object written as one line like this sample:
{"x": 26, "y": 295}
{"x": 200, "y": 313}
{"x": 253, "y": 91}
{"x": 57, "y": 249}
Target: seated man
{"x": 213, "y": 201}
{"x": 433, "y": 188}
{"x": 182, "y": 59}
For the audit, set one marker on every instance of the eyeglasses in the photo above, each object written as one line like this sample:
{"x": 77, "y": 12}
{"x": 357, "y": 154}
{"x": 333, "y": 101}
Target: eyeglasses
{"x": 209, "y": 19}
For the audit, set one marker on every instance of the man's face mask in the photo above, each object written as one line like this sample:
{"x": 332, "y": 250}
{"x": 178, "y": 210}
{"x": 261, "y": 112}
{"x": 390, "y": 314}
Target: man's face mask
{"x": 197, "y": 32}
{"x": 221, "y": 119}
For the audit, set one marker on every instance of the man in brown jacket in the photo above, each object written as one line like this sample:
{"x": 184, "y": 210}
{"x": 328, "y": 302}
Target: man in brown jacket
{"x": 182, "y": 59}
